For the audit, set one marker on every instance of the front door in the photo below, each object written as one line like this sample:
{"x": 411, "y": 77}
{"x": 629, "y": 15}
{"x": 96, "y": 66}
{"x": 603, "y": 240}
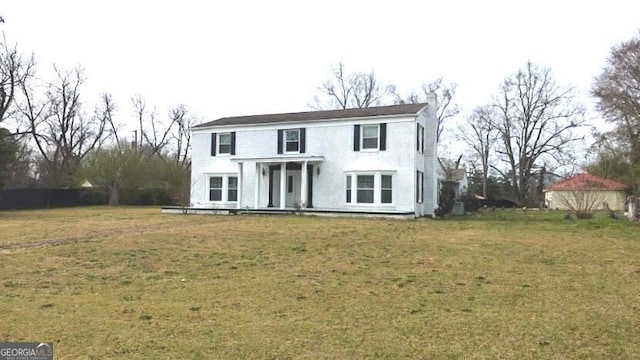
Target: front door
{"x": 294, "y": 179}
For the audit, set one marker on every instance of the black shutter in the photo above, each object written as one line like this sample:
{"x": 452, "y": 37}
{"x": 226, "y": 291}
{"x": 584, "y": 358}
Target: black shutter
{"x": 356, "y": 137}
{"x": 418, "y": 137}
{"x": 213, "y": 144}
{"x": 383, "y": 136}
{"x": 280, "y": 133}
{"x": 302, "y": 141}
{"x": 233, "y": 143}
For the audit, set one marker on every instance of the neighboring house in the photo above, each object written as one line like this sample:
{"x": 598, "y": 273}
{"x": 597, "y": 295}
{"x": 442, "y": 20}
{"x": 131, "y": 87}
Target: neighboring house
{"x": 585, "y": 187}
{"x": 459, "y": 178}
{"x": 379, "y": 160}
{"x": 456, "y": 178}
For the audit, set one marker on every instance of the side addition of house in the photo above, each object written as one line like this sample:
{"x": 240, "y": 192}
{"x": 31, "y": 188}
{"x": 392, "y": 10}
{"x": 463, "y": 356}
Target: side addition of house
{"x": 379, "y": 160}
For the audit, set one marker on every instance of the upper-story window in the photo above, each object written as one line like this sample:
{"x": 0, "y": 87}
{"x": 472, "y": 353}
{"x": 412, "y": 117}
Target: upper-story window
{"x": 223, "y": 143}
{"x": 292, "y": 140}
{"x": 370, "y": 137}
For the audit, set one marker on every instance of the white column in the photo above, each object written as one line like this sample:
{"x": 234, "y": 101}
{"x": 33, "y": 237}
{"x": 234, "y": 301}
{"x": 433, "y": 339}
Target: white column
{"x": 283, "y": 185}
{"x": 240, "y": 179}
{"x": 303, "y": 186}
{"x": 257, "y": 189}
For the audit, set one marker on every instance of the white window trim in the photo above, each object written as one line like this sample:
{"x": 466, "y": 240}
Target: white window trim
{"x": 285, "y": 141}
{"x": 225, "y": 188}
{"x": 377, "y": 189}
{"x": 362, "y": 148}
{"x": 219, "y": 144}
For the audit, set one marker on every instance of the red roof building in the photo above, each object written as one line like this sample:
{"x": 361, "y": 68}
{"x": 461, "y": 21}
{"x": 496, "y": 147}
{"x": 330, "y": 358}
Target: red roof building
{"x": 603, "y": 192}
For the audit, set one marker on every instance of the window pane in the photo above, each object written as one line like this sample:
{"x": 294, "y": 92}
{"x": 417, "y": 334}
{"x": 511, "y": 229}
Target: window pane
{"x": 365, "y": 182}
{"x": 215, "y": 195}
{"x": 348, "y": 195}
{"x": 370, "y": 131}
{"x": 216, "y": 182}
{"x": 225, "y": 139}
{"x": 365, "y": 196}
{"x": 292, "y": 135}
{"x": 386, "y": 196}
{"x": 232, "y": 195}
{"x": 292, "y": 146}
{"x": 370, "y": 143}
{"x": 386, "y": 182}
{"x": 348, "y": 181}
{"x": 224, "y": 149}
{"x": 233, "y": 182}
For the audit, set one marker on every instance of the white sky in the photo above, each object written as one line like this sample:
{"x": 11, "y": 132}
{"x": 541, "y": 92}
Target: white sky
{"x": 224, "y": 58}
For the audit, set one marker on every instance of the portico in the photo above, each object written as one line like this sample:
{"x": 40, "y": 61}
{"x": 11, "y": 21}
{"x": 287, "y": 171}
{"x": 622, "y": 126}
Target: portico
{"x": 288, "y": 180}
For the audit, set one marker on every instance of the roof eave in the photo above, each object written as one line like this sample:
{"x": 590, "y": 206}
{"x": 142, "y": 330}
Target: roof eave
{"x": 361, "y": 118}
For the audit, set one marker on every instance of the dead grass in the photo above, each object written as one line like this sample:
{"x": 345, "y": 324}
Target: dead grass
{"x": 131, "y": 283}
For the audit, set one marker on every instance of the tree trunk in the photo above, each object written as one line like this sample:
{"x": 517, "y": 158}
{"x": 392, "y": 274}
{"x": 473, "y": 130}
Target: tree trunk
{"x": 114, "y": 194}
{"x": 484, "y": 186}
{"x": 633, "y": 205}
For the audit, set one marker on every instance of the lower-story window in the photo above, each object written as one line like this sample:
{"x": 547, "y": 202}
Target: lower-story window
{"x": 365, "y": 186}
{"x": 348, "y": 188}
{"x": 419, "y": 186}
{"x": 215, "y": 188}
{"x": 232, "y": 191}
{"x": 370, "y": 188}
{"x": 223, "y": 188}
{"x": 386, "y": 189}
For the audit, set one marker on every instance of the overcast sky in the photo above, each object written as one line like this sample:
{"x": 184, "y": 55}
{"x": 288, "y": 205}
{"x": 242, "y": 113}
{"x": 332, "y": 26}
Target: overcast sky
{"x": 224, "y": 58}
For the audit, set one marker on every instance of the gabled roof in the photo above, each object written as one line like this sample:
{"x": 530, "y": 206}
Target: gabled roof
{"x": 586, "y": 181}
{"x": 407, "y": 109}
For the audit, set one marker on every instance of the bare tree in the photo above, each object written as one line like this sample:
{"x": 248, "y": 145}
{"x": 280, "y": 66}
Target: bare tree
{"x": 479, "y": 133}
{"x": 14, "y": 71}
{"x": 617, "y": 90}
{"x": 538, "y": 120}
{"x": 447, "y": 107}
{"x": 154, "y": 136}
{"x": 352, "y": 90}
{"x": 62, "y": 133}
{"x": 180, "y": 116}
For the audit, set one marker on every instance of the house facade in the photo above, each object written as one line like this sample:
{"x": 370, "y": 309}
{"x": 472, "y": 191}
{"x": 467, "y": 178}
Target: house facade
{"x": 586, "y": 189}
{"x": 379, "y": 160}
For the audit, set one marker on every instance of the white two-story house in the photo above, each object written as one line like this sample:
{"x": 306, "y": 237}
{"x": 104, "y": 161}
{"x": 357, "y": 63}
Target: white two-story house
{"x": 378, "y": 160}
